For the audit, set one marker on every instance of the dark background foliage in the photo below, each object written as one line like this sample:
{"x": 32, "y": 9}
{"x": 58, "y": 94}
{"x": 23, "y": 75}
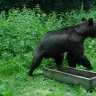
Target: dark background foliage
{"x": 48, "y": 5}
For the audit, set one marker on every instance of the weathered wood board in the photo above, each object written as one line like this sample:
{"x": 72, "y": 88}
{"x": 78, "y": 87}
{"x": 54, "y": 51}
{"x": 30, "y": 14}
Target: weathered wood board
{"x": 72, "y": 76}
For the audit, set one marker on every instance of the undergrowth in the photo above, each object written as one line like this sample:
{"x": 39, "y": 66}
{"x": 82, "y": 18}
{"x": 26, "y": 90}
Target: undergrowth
{"x": 20, "y": 32}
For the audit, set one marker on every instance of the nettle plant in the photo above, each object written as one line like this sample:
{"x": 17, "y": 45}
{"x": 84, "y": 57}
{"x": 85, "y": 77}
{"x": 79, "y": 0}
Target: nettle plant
{"x": 21, "y": 30}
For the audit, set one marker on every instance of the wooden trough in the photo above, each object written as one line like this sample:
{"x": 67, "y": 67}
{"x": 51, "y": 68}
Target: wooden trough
{"x": 72, "y": 76}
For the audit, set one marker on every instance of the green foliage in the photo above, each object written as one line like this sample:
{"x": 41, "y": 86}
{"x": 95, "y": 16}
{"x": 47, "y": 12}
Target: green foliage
{"x": 19, "y": 35}
{"x": 33, "y": 25}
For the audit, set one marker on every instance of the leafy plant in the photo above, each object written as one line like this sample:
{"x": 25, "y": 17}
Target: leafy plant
{"x": 19, "y": 34}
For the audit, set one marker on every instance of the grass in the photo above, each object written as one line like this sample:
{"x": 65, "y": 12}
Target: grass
{"x": 19, "y": 35}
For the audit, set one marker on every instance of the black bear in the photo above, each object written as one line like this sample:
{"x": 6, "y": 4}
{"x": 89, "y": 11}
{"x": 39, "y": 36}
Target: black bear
{"x": 55, "y": 43}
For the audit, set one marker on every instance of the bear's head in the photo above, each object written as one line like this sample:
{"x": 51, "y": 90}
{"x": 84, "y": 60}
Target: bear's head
{"x": 86, "y": 28}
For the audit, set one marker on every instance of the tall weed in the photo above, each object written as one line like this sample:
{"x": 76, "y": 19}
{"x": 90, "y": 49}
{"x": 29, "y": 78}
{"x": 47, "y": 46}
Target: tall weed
{"x": 20, "y": 32}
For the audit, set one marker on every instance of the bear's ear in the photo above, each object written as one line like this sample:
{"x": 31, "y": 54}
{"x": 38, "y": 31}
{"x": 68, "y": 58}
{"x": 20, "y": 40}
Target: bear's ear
{"x": 83, "y": 19}
{"x": 90, "y": 21}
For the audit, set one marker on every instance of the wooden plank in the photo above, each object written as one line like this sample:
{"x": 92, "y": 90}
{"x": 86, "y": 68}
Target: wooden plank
{"x": 79, "y": 72}
{"x": 72, "y": 76}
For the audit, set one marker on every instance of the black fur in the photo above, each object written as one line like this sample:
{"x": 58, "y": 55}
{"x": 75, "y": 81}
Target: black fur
{"x": 55, "y": 43}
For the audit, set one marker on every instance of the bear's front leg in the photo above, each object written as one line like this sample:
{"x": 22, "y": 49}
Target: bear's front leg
{"x": 83, "y": 60}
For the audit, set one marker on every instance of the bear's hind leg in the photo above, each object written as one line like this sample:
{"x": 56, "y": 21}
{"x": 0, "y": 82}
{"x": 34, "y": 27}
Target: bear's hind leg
{"x": 37, "y": 58}
{"x": 59, "y": 60}
{"x": 71, "y": 60}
